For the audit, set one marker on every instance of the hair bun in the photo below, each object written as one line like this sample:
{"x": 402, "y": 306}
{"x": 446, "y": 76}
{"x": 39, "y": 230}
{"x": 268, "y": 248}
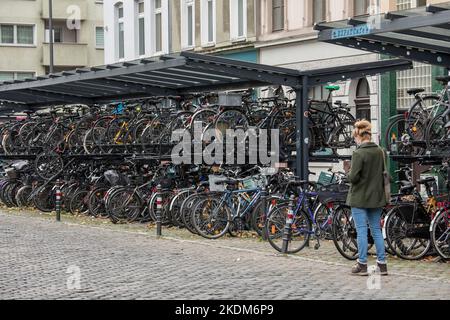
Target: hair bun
{"x": 363, "y": 125}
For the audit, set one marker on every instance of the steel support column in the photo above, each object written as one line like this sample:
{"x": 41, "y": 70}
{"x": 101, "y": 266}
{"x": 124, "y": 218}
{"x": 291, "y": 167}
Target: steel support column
{"x": 302, "y": 132}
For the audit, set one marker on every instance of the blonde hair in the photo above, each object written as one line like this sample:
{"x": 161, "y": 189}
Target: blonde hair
{"x": 363, "y": 130}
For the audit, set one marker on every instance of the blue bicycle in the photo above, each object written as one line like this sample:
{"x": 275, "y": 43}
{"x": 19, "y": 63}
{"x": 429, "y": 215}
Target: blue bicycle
{"x": 310, "y": 219}
{"x": 225, "y": 211}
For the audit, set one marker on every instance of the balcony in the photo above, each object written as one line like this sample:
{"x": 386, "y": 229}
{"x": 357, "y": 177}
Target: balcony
{"x": 66, "y": 54}
{"x": 60, "y": 8}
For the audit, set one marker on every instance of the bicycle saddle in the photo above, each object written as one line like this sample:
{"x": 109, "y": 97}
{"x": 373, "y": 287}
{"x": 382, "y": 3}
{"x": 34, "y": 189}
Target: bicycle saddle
{"x": 443, "y": 79}
{"x": 426, "y": 180}
{"x": 332, "y": 88}
{"x": 414, "y": 91}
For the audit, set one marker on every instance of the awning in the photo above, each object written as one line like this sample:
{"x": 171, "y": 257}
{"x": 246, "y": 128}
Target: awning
{"x": 171, "y": 75}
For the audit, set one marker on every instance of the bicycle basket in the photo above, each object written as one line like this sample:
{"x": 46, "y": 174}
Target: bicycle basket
{"x": 20, "y": 165}
{"x": 334, "y": 192}
{"x": 254, "y": 182}
{"x": 213, "y": 183}
{"x": 112, "y": 177}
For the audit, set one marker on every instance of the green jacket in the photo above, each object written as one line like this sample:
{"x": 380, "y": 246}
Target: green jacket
{"x": 366, "y": 178}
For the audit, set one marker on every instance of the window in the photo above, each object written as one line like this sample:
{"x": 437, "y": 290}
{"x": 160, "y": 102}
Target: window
{"x": 319, "y": 10}
{"x": 277, "y": 15}
{"x": 141, "y": 27}
{"x": 158, "y": 25}
{"x": 10, "y": 76}
{"x": 211, "y": 21}
{"x": 238, "y": 19}
{"x": 404, "y": 4}
{"x": 99, "y": 37}
{"x": 17, "y": 34}
{"x": 361, "y": 7}
{"x": 208, "y": 26}
{"x": 362, "y": 101}
{"x": 408, "y": 4}
{"x": 25, "y": 34}
{"x": 418, "y": 77}
{"x": 188, "y": 24}
{"x": 7, "y": 33}
{"x": 120, "y": 35}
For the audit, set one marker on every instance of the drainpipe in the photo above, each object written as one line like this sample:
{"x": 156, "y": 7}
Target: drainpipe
{"x": 50, "y": 26}
{"x": 169, "y": 13}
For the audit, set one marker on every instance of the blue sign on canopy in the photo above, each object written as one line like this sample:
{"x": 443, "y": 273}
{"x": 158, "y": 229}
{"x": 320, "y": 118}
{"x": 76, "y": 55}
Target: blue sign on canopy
{"x": 360, "y": 30}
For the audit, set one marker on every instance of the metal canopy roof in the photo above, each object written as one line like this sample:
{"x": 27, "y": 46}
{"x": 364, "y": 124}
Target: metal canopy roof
{"x": 420, "y": 34}
{"x": 171, "y": 75}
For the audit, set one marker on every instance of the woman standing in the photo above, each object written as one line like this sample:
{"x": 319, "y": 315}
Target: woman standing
{"x": 367, "y": 196}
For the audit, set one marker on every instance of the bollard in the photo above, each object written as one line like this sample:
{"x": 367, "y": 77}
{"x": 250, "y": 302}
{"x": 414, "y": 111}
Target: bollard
{"x": 58, "y": 200}
{"x": 158, "y": 211}
{"x": 264, "y": 208}
{"x": 288, "y": 226}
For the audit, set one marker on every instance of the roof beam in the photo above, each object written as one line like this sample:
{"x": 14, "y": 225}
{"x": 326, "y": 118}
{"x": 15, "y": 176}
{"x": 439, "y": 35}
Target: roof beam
{"x": 408, "y": 43}
{"x": 98, "y": 74}
{"x": 355, "y": 22}
{"x": 61, "y": 97}
{"x": 128, "y": 86}
{"x": 250, "y": 75}
{"x": 441, "y": 59}
{"x": 242, "y": 84}
{"x": 323, "y": 76}
{"x": 434, "y": 9}
{"x": 425, "y": 34}
{"x": 208, "y": 59}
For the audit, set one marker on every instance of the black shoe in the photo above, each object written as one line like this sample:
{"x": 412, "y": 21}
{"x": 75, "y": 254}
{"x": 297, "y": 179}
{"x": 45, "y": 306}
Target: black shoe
{"x": 382, "y": 267}
{"x": 359, "y": 269}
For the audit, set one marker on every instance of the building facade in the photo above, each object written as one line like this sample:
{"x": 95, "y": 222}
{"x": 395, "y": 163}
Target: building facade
{"x": 24, "y": 36}
{"x": 146, "y": 28}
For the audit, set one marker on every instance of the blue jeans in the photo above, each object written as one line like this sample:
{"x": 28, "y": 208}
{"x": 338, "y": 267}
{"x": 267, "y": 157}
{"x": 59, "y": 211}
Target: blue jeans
{"x": 362, "y": 216}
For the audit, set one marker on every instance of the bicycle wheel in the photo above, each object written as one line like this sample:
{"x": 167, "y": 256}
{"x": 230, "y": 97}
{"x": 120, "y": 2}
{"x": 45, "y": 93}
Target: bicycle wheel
{"x": 230, "y": 119}
{"x": 342, "y": 135}
{"x": 186, "y": 210}
{"x": 423, "y": 110}
{"x": 406, "y": 237}
{"x": 404, "y": 137}
{"x": 124, "y": 205}
{"x": 79, "y": 203}
{"x": 96, "y": 201}
{"x": 175, "y": 206}
{"x": 440, "y": 234}
{"x": 259, "y": 214}
{"x": 344, "y": 233}
{"x": 211, "y": 218}
{"x": 301, "y": 229}
{"x": 324, "y": 219}
{"x": 22, "y": 196}
{"x": 437, "y": 136}
{"x": 48, "y": 165}
{"x": 44, "y": 199}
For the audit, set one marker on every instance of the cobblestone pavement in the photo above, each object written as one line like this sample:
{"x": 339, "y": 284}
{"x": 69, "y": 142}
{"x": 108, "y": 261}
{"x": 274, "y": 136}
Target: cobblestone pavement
{"x": 39, "y": 259}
